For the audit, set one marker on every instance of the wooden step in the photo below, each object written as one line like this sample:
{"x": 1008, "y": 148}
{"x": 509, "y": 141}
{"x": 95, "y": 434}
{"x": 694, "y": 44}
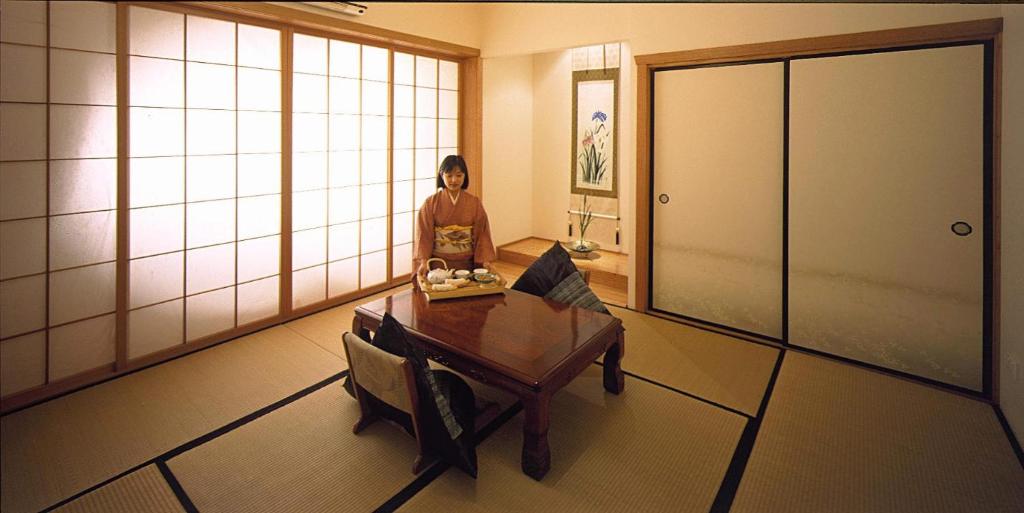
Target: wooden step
{"x": 607, "y": 268}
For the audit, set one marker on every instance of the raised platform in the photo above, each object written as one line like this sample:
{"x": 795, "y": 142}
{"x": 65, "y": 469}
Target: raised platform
{"x": 607, "y": 268}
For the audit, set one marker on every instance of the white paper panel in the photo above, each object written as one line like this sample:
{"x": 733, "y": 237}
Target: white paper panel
{"x": 210, "y": 40}
{"x": 309, "y": 171}
{"x": 210, "y": 177}
{"x": 343, "y": 277}
{"x": 156, "y": 279}
{"x": 401, "y": 262}
{"x": 154, "y": 328}
{"x": 401, "y": 199}
{"x": 83, "y": 26}
{"x": 375, "y": 133}
{"x": 424, "y": 189}
{"x": 83, "y": 185}
{"x": 448, "y": 75}
{"x": 209, "y": 268}
{"x": 448, "y": 133}
{"x": 426, "y": 102}
{"x": 401, "y": 164}
{"x": 22, "y": 247}
{"x": 259, "y": 258}
{"x": 82, "y": 239}
{"x": 403, "y": 133}
{"x": 156, "y": 33}
{"x": 259, "y": 89}
{"x": 309, "y": 93}
{"x": 83, "y": 292}
{"x": 209, "y": 222}
{"x": 343, "y": 241}
{"x": 448, "y": 104}
{"x": 309, "y": 248}
{"x": 444, "y": 152}
{"x": 344, "y": 168}
{"x": 156, "y": 230}
{"x": 345, "y": 132}
{"x": 82, "y": 346}
{"x": 22, "y": 359}
{"x": 374, "y": 201}
{"x": 210, "y": 86}
{"x": 426, "y": 71}
{"x": 403, "y": 68}
{"x": 209, "y": 313}
{"x": 257, "y": 300}
{"x": 344, "y": 205}
{"x": 157, "y": 132}
{"x": 344, "y": 96}
{"x": 210, "y": 132}
{"x": 375, "y": 63}
{"x": 157, "y": 181}
{"x": 259, "y": 132}
{"x": 310, "y": 54}
{"x": 259, "y": 174}
{"x": 344, "y": 59}
{"x": 374, "y": 234}
{"x": 259, "y": 47}
{"x": 29, "y": 83}
{"x": 23, "y": 22}
{"x": 22, "y": 189}
{"x": 426, "y": 133}
{"x": 309, "y": 286}
{"x": 82, "y": 77}
{"x": 309, "y": 209}
{"x": 403, "y": 98}
{"x": 426, "y": 163}
{"x": 82, "y": 132}
{"x": 375, "y": 167}
{"x": 156, "y": 83}
{"x": 22, "y": 305}
{"x": 309, "y": 132}
{"x": 259, "y": 216}
{"x": 375, "y": 98}
{"x": 401, "y": 228}
{"x": 373, "y": 269}
{"x": 24, "y": 131}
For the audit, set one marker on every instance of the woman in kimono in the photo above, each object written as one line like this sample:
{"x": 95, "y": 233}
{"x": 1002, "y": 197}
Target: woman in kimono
{"x": 452, "y": 223}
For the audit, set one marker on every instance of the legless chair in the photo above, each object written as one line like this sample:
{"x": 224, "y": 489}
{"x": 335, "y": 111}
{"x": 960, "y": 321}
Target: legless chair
{"x": 390, "y": 379}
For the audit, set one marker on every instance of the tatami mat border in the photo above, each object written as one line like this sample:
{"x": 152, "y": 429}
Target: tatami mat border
{"x": 176, "y": 487}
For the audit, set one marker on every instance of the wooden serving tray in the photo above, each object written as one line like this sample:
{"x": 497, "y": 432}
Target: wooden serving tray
{"x": 470, "y": 289}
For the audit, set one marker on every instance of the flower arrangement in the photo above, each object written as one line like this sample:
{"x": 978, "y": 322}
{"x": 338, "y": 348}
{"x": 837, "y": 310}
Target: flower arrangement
{"x": 593, "y": 159}
{"x": 586, "y": 215}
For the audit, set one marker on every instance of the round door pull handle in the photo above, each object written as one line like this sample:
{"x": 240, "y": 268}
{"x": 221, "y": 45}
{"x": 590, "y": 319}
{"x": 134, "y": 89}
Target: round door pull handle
{"x": 961, "y": 228}
{"x": 663, "y": 198}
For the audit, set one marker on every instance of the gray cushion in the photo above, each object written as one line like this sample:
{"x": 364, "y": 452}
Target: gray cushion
{"x": 574, "y": 291}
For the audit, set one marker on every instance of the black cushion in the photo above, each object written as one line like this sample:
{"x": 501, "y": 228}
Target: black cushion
{"x": 574, "y": 291}
{"x": 546, "y": 272}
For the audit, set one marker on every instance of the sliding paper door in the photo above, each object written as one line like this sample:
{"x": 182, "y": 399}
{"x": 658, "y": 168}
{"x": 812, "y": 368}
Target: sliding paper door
{"x": 717, "y": 195}
{"x": 886, "y": 210}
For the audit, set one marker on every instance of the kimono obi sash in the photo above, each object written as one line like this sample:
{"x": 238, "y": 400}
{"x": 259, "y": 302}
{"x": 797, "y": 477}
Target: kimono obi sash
{"x": 453, "y": 239}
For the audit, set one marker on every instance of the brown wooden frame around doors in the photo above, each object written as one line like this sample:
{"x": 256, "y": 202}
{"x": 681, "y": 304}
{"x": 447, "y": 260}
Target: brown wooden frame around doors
{"x": 977, "y": 30}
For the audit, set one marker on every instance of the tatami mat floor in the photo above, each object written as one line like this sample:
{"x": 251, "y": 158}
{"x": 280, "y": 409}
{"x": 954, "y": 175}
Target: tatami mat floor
{"x": 260, "y": 424}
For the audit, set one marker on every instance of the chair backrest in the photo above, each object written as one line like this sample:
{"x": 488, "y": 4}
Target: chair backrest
{"x": 386, "y": 376}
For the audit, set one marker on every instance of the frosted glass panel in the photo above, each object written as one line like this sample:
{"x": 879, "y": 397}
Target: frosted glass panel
{"x": 344, "y": 205}
{"x": 309, "y": 210}
{"x": 343, "y": 241}
{"x": 29, "y": 83}
{"x": 22, "y": 189}
{"x": 345, "y": 133}
{"x": 209, "y": 313}
{"x": 81, "y": 239}
{"x": 426, "y": 71}
{"x": 24, "y": 131}
{"x": 156, "y": 279}
{"x": 448, "y": 75}
{"x": 83, "y": 26}
{"x": 80, "y": 293}
{"x": 374, "y": 200}
{"x": 309, "y": 171}
{"x": 156, "y": 33}
{"x": 23, "y": 22}
{"x": 375, "y": 98}
{"x": 401, "y": 228}
{"x": 83, "y": 185}
{"x": 403, "y": 97}
{"x": 154, "y": 328}
{"x": 259, "y": 174}
{"x": 426, "y": 132}
{"x": 879, "y": 171}
{"x": 310, "y": 54}
{"x": 344, "y": 59}
{"x": 402, "y": 196}
{"x": 211, "y": 177}
{"x": 210, "y": 40}
{"x": 309, "y": 248}
{"x": 210, "y": 86}
{"x": 259, "y": 132}
{"x": 426, "y": 102}
{"x": 22, "y": 359}
{"x": 259, "y": 89}
{"x": 259, "y": 47}
{"x": 403, "y": 68}
{"x": 78, "y": 132}
{"x": 375, "y": 63}
{"x": 259, "y": 258}
{"x": 344, "y": 277}
{"x": 157, "y": 132}
{"x": 257, "y": 300}
{"x": 156, "y": 82}
{"x": 210, "y": 132}
{"x": 374, "y": 234}
{"x": 448, "y": 104}
{"x": 309, "y": 132}
{"x": 82, "y": 77}
{"x": 373, "y": 269}
{"x": 309, "y": 286}
{"x": 309, "y": 93}
{"x": 717, "y": 243}
{"x": 259, "y": 216}
{"x": 209, "y": 268}
{"x": 401, "y": 165}
{"x": 401, "y": 262}
{"x": 210, "y": 222}
{"x": 22, "y": 305}
{"x": 157, "y": 181}
{"x": 22, "y": 247}
{"x": 82, "y": 346}
{"x": 344, "y": 168}
{"x": 375, "y": 167}
{"x": 157, "y": 230}
{"x": 344, "y": 96}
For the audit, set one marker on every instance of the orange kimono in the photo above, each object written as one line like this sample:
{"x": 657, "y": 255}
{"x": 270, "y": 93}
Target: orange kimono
{"x": 456, "y": 231}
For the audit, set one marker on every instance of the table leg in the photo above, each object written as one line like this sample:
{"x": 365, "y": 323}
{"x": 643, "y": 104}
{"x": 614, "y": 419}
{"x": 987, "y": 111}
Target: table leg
{"x": 614, "y": 381}
{"x": 536, "y": 453}
{"x": 357, "y": 325}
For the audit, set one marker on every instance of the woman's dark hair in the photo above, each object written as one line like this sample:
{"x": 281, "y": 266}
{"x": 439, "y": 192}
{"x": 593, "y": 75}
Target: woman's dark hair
{"x": 451, "y": 162}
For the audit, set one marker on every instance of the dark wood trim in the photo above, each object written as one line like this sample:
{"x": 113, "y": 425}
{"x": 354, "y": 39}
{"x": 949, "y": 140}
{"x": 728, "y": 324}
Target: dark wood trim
{"x": 41, "y": 393}
{"x": 123, "y": 189}
{"x": 996, "y": 226}
{"x": 471, "y": 107}
{"x": 46, "y": 281}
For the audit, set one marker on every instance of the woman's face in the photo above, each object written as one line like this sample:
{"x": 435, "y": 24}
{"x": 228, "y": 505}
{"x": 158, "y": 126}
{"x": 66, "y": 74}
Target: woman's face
{"x": 453, "y": 179}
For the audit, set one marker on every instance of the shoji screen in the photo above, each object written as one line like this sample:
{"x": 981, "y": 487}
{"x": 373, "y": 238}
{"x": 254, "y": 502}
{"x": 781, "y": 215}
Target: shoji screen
{"x": 205, "y": 177}
{"x": 58, "y": 179}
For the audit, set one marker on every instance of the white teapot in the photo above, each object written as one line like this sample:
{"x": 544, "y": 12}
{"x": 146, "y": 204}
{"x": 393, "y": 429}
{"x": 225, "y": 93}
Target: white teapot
{"x": 437, "y": 276}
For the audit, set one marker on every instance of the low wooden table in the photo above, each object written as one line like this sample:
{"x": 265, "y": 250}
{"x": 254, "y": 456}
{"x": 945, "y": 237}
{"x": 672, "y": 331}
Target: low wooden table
{"x": 524, "y": 344}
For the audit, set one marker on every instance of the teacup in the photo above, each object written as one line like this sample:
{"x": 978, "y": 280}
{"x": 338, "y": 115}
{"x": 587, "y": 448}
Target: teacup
{"x": 462, "y": 273}
{"x": 480, "y": 270}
